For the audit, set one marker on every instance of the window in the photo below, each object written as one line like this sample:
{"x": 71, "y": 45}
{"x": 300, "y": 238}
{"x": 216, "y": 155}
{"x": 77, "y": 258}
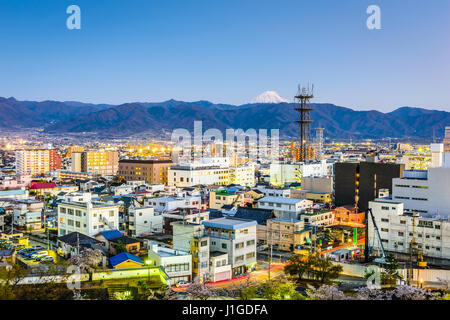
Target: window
{"x": 384, "y": 230}
{"x": 203, "y": 243}
{"x": 250, "y": 242}
{"x": 250, "y": 255}
{"x": 224, "y": 245}
{"x": 70, "y": 222}
{"x": 384, "y": 220}
{"x": 111, "y": 213}
{"x": 77, "y": 224}
{"x": 402, "y": 221}
{"x": 401, "y": 234}
{"x": 239, "y": 258}
{"x": 239, "y": 245}
{"x": 384, "y": 208}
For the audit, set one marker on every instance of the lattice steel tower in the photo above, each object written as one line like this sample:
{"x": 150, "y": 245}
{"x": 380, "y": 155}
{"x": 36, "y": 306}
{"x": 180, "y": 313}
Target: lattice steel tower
{"x": 304, "y": 150}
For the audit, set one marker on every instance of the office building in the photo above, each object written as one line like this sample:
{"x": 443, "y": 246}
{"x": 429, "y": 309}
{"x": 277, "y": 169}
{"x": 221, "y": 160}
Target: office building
{"x": 150, "y": 171}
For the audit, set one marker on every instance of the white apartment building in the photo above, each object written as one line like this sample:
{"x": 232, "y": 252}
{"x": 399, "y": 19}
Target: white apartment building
{"x": 190, "y": 237}
{"x": 285, "y": 173}
{"x": 275, "y": 192}
{"x": 396, "y": 231}
{"x": 170, "y": 203}
{"x": 426, "y": 192}
{"x": 286, "y": 208}
{"x": 242, "y": 175}
{"x": 176, "y": 263}
{"x": 28, "y": 214}
{"x": 188, "y": 175}
{"x": 88, "y": 218}
{"x": 143, "y": 220}
{"x": 237, "y": 238}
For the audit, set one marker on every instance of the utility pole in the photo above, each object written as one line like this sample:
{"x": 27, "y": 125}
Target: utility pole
{"x": 270, "y": 257}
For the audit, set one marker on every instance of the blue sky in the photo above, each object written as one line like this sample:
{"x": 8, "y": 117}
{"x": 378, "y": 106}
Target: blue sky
{"x": 227, "y": 51}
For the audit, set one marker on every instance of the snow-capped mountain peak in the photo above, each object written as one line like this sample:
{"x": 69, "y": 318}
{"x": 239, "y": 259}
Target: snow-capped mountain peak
{"x": 269, "y": 97}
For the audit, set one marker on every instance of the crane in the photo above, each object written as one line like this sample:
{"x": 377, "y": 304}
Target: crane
{"x": 383, "y": 258}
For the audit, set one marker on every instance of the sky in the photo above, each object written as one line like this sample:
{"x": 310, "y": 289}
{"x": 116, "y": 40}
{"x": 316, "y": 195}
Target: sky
{"x": 227, "y": 51}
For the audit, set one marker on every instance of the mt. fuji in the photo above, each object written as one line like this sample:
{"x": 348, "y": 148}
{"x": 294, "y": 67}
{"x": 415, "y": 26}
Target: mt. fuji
{"x": 269, "y": 97}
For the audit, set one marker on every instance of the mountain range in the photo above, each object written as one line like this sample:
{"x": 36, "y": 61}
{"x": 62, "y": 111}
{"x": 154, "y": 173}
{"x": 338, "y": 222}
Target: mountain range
{"x": 71, "y": 117}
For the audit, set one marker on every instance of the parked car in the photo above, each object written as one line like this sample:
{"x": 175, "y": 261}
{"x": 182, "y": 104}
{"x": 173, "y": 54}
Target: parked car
{"x": 39, "y": 254}
{"x": 182, "y": 283}
{"x": 44, "y": 259}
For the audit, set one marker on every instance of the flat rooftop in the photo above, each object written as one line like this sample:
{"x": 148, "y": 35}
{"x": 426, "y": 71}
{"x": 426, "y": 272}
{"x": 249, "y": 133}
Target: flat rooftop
{"x": 280, "y": 200}
{"x": 229, "y": 223}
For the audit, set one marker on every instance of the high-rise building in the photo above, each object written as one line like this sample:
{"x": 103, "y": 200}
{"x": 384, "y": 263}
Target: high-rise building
{"x": 37, "y": 161}
{"x": 360, "y": 182}
{"x": 150, "y": 171}
{"x": 96, "y": 162}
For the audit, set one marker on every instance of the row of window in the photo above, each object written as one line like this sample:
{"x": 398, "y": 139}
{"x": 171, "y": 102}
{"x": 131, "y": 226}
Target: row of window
{"x": 247, "y": 256}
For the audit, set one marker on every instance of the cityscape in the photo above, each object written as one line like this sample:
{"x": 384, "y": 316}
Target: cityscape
{"x": 276, "y": 197}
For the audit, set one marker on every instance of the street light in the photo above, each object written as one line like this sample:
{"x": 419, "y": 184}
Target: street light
{"x": 148, "y": 263}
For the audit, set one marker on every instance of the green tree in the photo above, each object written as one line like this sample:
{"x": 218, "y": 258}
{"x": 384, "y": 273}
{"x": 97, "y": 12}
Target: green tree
{"x": 324, "y": 270}
{"x": 390, "y": 273}
{"x": 298, "y": 266}
{"x": 280, "y": 289}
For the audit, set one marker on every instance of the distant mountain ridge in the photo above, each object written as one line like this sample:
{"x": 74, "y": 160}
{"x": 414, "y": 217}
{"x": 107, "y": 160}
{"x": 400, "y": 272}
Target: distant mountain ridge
{"x": 155, "y": 117}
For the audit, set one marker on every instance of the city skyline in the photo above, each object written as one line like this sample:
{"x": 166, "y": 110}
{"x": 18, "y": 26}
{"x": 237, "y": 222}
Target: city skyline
{"x": 227, "y": 52}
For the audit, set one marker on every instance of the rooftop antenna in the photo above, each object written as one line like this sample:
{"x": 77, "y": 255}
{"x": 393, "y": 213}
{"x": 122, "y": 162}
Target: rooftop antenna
{"x": 303, "y": 108}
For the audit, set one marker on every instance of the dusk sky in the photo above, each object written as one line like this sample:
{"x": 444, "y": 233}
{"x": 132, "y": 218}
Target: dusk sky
{"x": 227, "y": 51}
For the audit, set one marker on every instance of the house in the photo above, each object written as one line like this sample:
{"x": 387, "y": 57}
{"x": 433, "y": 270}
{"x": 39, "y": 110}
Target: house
{"x": 260, "y": 216}
{"x": 176, "y": 263}
{"x": 126, "y": 243}
{"x": 348, "y": 215}
{"x": 74, "y": 242}
{"x": 286, "y": 234}
{"x": 125, "y": 260}
{"x": 286, "y": 208}
{"x": 318, "y": 218}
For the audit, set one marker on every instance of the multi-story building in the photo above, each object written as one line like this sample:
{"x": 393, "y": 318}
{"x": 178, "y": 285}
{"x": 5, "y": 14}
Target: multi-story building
{"x": 286, "y": 234}
{"x": 176, "y": 263}
{"x": 143, "y": 220}
{"x": 398, "y": 228}
{"x": 188, "y": 175}
{"x": 322, "y": 218}
{"x": 150, "y": 171}
{"x": 348, "y": 215}
{"x": 190, "y": 237}
{"x": 28, "y": 214}
{"x": 37, "y": 161}
{"x": 242, "y": 175}
{"x": 360, "y": 182}
{"x": 171, "y": 203}
{"x": 186, "y": 215}
{"x": 286, "y": 173}
{"x": 234, "y": 236}
{"x": 96, "y": 162}
{"x": 426, "y": 192}
{"x": 88, "y": 218}
{"x": 287, "y": 208}
{"x": 63, "y": 175}
{"x": 220, "y": 198}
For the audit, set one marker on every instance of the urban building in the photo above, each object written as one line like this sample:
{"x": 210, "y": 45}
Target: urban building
{"x": 96, "y": 162}
{"x": 286, "y": 234}
{"x": 220, "y": 198}
{"x": 398, "y": 228}
{"x": 360, "y": 182}
{"x": 37, "y": 161}
{"x": 285, "y": 173}
{"x": 150, "y": 171}
{"x": 287, "y": 208}
{"x": 426, "y": 192}
{"x": 88, "y": 218}
{"x": 176, "y": 263}
{"x": 237, "y": 238}
{"x": 143, "y": 220}
{"x": 322, "y": 218}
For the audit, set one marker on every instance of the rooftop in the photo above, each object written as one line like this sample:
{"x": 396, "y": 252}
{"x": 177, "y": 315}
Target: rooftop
{"x": 229, "y": 223}
{"x": 282, "y": 200}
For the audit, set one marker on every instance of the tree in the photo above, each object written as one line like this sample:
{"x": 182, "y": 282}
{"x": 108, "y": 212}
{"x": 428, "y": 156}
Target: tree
{"x": 88, "y": 260}
{"x": 297, "y": 266}
{"x": 324, "y": 270}
{"x": 199, "y": 291}
{"x": 163, "y": 293}
{"x": 280, "y": 289}
{"x": 326, "y": 292}
{"x": 390, "y": 273}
